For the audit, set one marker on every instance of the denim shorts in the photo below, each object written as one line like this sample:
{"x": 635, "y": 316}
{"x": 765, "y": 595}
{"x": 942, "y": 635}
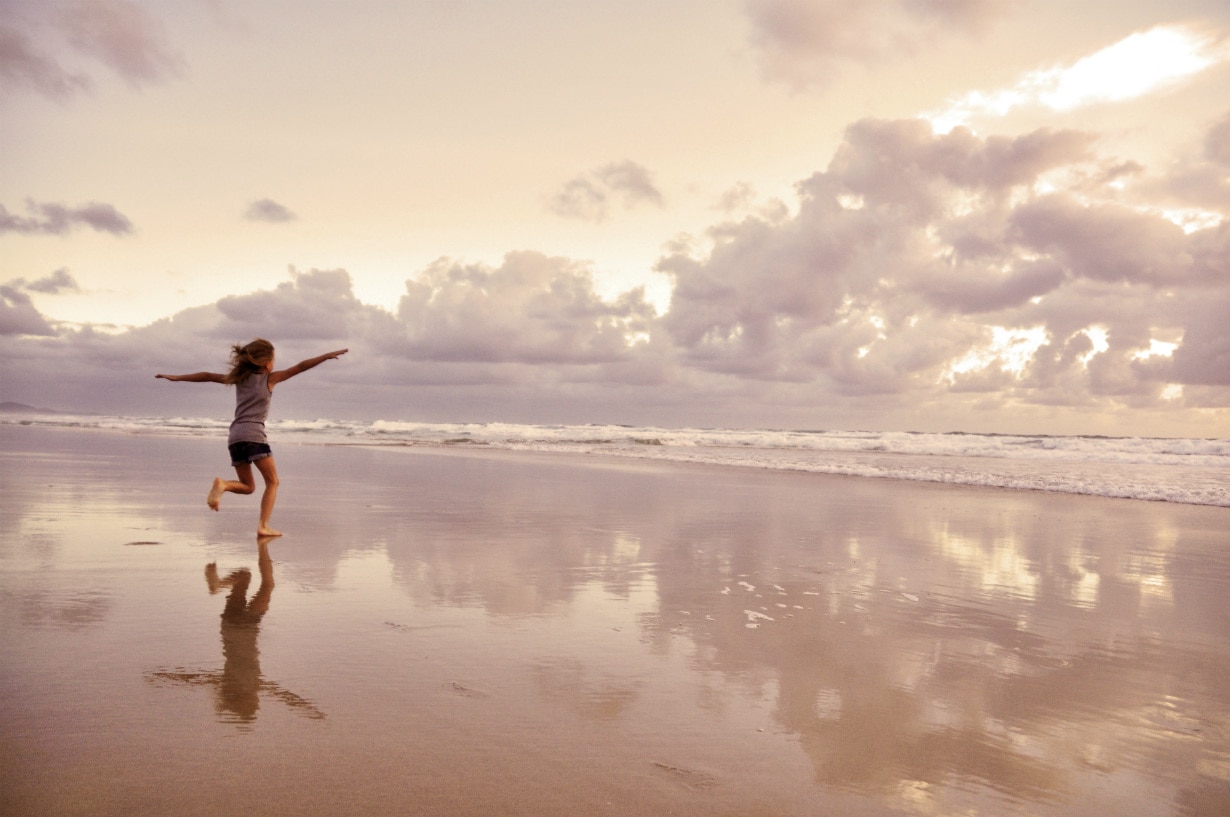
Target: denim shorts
{"x": 243, "y": 453}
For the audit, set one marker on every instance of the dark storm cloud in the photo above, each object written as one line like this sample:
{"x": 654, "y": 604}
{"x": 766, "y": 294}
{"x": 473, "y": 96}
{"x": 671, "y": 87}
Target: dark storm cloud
{"x": 811, "y": 42}
{"x": 590, "y": 197}
{"x": 268, "y": 210}
{"x": 58, "y": 219}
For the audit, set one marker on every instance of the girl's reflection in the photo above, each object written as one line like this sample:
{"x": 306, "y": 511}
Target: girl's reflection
{"x": 238, "y": 685}
{"x": 241, "y": 673}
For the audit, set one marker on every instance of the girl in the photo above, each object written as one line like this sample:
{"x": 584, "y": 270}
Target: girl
{"x": 253, "y": 377}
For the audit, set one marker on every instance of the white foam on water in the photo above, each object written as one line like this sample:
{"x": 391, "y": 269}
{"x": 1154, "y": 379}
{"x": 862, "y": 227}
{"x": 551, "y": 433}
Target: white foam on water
{"x": 1192, "y": 471}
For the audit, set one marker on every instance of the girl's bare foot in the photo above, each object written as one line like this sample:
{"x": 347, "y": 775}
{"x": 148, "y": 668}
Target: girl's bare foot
{"x": 216, "y": 492}
{"x": 267, "y": 531}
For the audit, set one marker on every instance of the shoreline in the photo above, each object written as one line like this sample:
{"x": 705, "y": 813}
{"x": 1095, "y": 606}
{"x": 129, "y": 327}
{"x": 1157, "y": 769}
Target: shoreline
{"x": 1205, "y": 487}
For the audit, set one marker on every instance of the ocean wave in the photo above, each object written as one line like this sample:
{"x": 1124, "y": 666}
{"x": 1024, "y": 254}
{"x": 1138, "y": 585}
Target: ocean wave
{"x": 1192, "y": 471}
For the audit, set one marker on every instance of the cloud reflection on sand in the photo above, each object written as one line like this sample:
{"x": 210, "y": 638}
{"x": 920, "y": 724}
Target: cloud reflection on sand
{"x": 1027, "y": 650}
{"x": 492, "y": 626}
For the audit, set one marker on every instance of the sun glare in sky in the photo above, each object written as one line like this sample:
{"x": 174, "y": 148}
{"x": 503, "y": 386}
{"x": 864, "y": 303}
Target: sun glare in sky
{"x": 1137, "y": 65}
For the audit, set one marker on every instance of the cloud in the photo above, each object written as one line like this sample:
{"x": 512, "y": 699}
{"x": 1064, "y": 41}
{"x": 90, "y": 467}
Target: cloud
{"x": 590, "y": 197}
{"x": 24, "y": 64}
{"x": 1203, "y": 358}
{"x": 59, "y": 219}
{"x": 268, "y": 210}
{"x": 532, "y": 309}
{"x": 921, "y": 276}
{"x": 922, "y": 264}
{"x": 1217, "y": 142}
{"x": 123, "y": 36}
{"x": 118, "y": 34}
{"x": 530, "y": 332}
{"x": 806, "y": 43}
{"x": 18, "y": 315}
{"x": 1195, "y": 190}
{"x": 52, "y": 284}
{"x": 1140, "y": 64}
{"x": 315, "y": 305}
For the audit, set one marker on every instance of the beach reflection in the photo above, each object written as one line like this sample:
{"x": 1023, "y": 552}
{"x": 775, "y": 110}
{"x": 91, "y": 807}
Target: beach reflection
{"x": 1020, "y": 647}
{"x": 1002, "y": 653}
{"x": 511, "y": 634}
{"x": 239, "y": 685}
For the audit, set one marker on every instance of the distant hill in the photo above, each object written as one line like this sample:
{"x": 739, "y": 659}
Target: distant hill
{"x": 21, "y": 408}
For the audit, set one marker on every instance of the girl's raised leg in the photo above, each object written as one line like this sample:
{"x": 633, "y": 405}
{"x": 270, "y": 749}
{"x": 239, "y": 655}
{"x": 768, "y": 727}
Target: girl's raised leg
{"x": 270, "y": 472}
{"x": 244, "y": 485}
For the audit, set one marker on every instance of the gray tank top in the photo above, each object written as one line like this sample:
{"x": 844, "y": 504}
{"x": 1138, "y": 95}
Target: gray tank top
{"x": 251, "y": 407}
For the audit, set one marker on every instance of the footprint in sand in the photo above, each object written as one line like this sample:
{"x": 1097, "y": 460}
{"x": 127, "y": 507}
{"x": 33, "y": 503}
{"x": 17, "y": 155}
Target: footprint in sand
{"x": 688, "y": 777}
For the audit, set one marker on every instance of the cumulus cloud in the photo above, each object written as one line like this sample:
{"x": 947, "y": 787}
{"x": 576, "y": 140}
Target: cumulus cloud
{"x": 532, "y": 309}
{"x": 46, "y": 218}
{"x": 118, "y": 34}
{"x": 922, "y": 263}
{"x": 268, "y": 210}
{"x": 590, "y": 197}
{"x": 315, "y": 305}
{"x": 919, "y": 270}
{"x": 811, "y": 42}
{"x": 18, "y": 315}
{"x": 532, "y": 326}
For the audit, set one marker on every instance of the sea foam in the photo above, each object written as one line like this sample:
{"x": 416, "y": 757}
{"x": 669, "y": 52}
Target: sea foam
{"x": 1193, "y": 471}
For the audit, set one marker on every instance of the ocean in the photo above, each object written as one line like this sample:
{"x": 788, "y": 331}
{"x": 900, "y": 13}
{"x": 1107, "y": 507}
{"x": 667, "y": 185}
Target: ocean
{"x": 1162, "y": 469}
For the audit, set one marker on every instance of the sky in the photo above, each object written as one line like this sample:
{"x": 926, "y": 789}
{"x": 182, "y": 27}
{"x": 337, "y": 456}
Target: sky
{"x": 935, "y": 215}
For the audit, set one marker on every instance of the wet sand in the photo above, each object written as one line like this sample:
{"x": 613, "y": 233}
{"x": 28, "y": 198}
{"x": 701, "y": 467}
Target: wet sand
{"x": 492, "y": 633}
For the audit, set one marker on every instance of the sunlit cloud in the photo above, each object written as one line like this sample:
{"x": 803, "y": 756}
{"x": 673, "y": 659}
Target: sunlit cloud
{"x": 1193, "y": 219}
{"x": 1140, "y": 64}
{"x": 1156, "y": 348}
{"x": 1098, "y": 339}
{"x": 1011, "y": 349}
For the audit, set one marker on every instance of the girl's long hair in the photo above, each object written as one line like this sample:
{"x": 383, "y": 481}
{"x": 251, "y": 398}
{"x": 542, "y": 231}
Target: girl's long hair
{"x": 249, "y": 359}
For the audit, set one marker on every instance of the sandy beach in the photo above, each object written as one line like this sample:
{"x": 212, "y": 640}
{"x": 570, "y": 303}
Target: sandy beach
{"x": 470, "y": 632}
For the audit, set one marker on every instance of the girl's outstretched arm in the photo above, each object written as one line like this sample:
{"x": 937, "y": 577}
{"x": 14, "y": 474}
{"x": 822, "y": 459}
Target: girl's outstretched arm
{"x": 303, "y": 366}
{"x": 195, "y": 377}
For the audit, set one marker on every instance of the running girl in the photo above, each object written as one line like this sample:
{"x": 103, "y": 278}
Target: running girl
{"x": 253, "y": 377}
